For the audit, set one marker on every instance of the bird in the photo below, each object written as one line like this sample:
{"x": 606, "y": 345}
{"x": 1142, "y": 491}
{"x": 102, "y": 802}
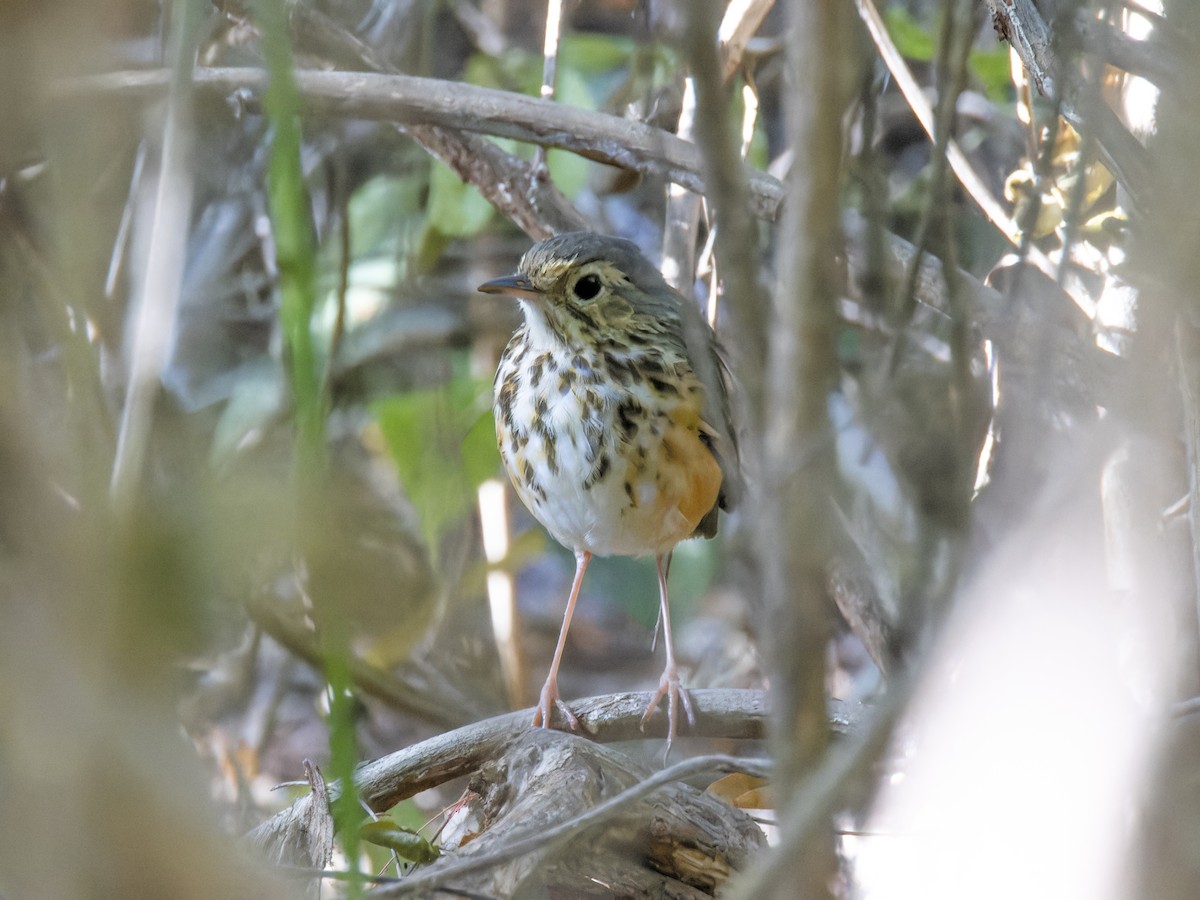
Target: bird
{"x": 612, "y": 413}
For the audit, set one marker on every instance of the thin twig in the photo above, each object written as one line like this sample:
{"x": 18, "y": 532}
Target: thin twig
{"x": 161, "y": 283}
{"x": 915, "y": 97}
{"x": 121, "y": 242}
{"x": 727, "y": 193}
{"x": 399, "y": 692}
{"x": 741, "y": 20}
{"x": 1188, "y": 707}
{"x": 951, "y": 71}
{"x": 478, "y": 27}
{"x": 550, "y": 48}
{"x": 682, "y": 214}
{"x": 549, "y": 72}
{"x": 1187, "y": 360}
{"x": 343, "y": 286}
{"x": 841, "y": 779}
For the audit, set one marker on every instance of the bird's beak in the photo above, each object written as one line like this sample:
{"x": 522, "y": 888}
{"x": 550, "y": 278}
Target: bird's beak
{"x": 515, "y": 285}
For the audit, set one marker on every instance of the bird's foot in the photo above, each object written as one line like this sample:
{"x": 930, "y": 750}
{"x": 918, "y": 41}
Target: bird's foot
{"x": 671, "y": 687}
{"x": 547, "y": 703}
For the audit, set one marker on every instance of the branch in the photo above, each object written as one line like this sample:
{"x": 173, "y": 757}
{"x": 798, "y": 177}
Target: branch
{"x": 400, "y": 98}
{"x": 1155, "y": 58}
{"x": 917, "y": 102}
{"x": 1021, "y": 24}
{"x": 738, "y": 259}
{"x": 382, "y": 783}
{"x": 842, "y": 778}
{"x": 799, "y": 471}
{"x": 408, "y": 100}
{"x": 418, "y": 699}
{"x": 522, "y": 191}
{"x": 1187, "y": 361}
{"x": 545, "y": 839}
{"x": 741, "y": 20}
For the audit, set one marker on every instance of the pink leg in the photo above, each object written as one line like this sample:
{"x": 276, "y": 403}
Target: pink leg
{"x": 664, "y": 573}
{"x": 549, "y": 699}
{"x": 669, "y": 685}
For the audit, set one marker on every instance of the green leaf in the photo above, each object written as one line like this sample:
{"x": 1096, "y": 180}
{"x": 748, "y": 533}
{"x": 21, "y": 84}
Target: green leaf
{"x": 382, "y": 212}
{"x": 481, "y": 458}
{"x": 406, "y": 815}
{"x": 404, "y": 841}
{"x": 569, "y": 170}
{"x": 517, "y": 70}
{"x": 993, "y": 69}
{"x": 413, "y": 426}
{"x": 258, "y": 398}
{"x": 911, "y": 39}
{"x": 455, "y": 209}
{"x": 386, "y": 217}
{"x": 595, "y": 54}
{"x": 513, "y": 70}
{"x": 443, "y": 446}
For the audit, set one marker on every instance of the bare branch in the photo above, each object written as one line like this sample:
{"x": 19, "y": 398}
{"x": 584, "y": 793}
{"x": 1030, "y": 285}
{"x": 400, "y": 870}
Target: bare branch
{"x": 544, "y": 839}
{"x": 1021, "y": 24}
{"x": 382, "y": 783}
{"x": 794, "y": 498}
{"x": 1154, "y": 58}
{"x": 727, "y": 189}
{"x": 1187, "y": 359}
{"x": 418, "y": 699}
{"x": 408, "y": 100}
{"x": 519, "y": 189}
{"x": 741, "y": 20}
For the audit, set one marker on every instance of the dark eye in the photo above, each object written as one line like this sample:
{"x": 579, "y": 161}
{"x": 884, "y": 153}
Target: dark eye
{"x": 587, "y": 287}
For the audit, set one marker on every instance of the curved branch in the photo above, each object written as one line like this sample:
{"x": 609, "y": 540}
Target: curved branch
{"x": 609, "y": 809}
{"x": 408, "y": 100}
{"x": 430, "y": 704}
{"x": 382, "y": 783}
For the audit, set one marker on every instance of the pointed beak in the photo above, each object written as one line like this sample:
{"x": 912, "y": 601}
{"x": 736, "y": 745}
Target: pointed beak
{"x": 514, "y": 285}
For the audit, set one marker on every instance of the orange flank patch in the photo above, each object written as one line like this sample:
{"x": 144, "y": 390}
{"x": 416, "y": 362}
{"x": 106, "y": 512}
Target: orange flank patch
{"x": 684, "y": 454}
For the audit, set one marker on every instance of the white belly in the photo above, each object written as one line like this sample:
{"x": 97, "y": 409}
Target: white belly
{"x": 591, "y": 489}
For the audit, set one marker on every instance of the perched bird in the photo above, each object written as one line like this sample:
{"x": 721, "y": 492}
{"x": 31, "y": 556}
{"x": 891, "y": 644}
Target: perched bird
{"x": 612, "y": 417}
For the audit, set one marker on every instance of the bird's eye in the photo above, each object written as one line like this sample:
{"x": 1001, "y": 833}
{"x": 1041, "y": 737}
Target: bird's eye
{"x": 587, "y": 287}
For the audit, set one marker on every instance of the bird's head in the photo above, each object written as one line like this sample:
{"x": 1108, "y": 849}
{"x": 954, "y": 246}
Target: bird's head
{"x": 583, "y": 288}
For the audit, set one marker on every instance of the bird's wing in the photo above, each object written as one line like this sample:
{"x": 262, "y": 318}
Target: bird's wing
{"x": 708, "y": 362}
